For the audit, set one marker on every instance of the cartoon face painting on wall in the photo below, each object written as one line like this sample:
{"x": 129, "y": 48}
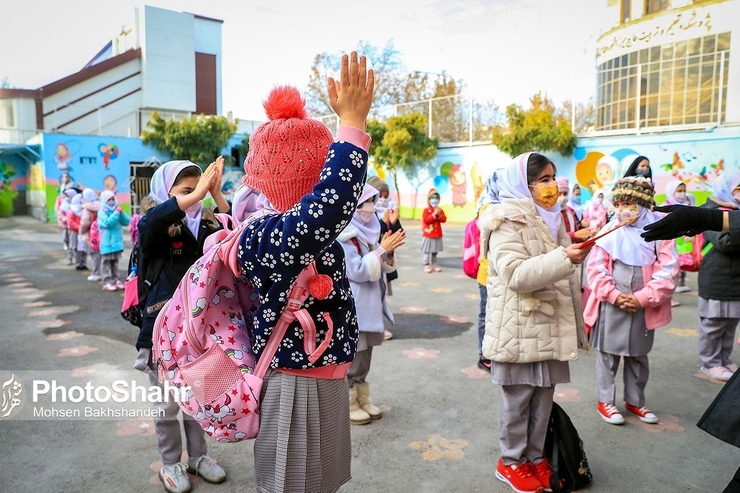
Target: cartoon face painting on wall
{"x": 459, "y": 183}
{"x": 109, "y": 183}
{"x": 63, "y": 157}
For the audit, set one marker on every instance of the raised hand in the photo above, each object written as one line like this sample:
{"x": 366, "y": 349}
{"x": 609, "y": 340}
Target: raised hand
{"x": 218, "y": 165}
{"x": 352, "y": 95}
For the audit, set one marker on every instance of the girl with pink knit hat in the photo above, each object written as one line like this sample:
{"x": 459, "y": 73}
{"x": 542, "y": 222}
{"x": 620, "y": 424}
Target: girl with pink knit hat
{"x": 309, "y": 185}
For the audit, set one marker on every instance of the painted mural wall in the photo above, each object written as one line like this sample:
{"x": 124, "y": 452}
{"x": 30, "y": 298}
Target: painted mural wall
{"x": 459, "y": 174}
{"x": 92, "y": 161}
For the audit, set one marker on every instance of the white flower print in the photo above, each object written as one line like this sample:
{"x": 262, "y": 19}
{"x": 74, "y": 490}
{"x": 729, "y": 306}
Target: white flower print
{"x": 268, "y": 315}
{"x": 330, "y": 155}
{"x": 293, "y": 242}
{"x": 322, "y": 234}
{"x": 276, "y": 237}
{"x": 327, "y": 258}
{"x": 301, "y": 228}
{"x": 306, "y": 258}
{"x": 347, "y": 348}
{"x": 269, "y": 261}
{"x": 357, "y": 159}
{"x": 298, "y": 332}
{"x": 345, "y": 174}
{"x": 288, "y": 343}
{"x": 274, "y": 363}
{"x": 329, "y": 359}
{"x": 287, "y": 258}
{"x": 316, "y": 210}
{"x": 275, "y": 277}
{"x": 248, "y": 266}
{"x": 296, "y": 356}
{"x": 340, "y": 227}
{"x": 348, "y": 208}
{"x": 330, "y": 196}
{"x": 257, "y": 282}
{"x": 326, "y": 173}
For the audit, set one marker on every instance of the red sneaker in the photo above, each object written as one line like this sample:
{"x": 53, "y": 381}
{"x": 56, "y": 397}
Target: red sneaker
{"x": 644, "y": 414}
{"x": 610, "y": 413}
{"x": 519, "y": 476}
{"x": 543, "y": 473}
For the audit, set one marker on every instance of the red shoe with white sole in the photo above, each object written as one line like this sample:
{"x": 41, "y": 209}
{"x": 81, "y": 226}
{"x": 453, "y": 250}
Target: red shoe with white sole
{"x": 610, "y": 413}
{"x": 519, "y": 476}
{"x": 645, "y": 414}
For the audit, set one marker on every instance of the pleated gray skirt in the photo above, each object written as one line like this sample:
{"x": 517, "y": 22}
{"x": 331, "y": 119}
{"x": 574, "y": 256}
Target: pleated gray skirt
{"x": 304, "y": 442}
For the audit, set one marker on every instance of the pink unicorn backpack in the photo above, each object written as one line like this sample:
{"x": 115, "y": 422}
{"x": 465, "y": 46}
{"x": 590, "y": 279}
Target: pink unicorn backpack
{"x": 202, "y": 340}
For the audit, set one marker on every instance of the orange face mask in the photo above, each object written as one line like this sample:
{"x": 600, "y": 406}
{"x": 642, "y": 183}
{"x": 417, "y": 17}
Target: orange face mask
{"x": 547, "y": 193}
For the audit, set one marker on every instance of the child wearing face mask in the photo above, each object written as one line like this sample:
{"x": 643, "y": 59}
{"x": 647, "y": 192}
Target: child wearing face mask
{"x": 595, "y": 212}
{"x": 632, "y": 282}
{"x": 574, "y": 202}
{"x": 174, "y": 225}
{"x": 366, "y": 260}
{"x": 570, "y": 218}
{"x": 640, "y": 167}
{"x": 431, "y": 232}
{"x": 111, "y": 220}
{"x": 675, "y": 194}
{"x": 719, "y": 289}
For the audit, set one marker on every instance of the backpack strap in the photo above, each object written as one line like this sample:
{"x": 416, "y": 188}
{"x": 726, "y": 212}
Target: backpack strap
{"x": 294, "y": 311}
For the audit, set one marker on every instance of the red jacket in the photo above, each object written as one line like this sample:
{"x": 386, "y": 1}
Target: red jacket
{"x": 571, "y": 222}
{"x": 432, "y": 226}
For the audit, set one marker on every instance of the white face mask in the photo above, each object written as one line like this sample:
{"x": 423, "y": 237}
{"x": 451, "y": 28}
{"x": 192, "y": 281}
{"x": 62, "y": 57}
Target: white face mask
{"x": 366, "y": 212}
{"x": 382, "y": 202}
{"x": 626, "y": 214}
{"x": 563, "y": 201}
{"x": 680, "y": 196}
{"x": 598, "y": 200}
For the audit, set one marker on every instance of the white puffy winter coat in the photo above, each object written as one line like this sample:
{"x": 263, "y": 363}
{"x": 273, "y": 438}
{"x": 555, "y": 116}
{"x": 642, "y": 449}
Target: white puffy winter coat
{"x": 534, "y": 310}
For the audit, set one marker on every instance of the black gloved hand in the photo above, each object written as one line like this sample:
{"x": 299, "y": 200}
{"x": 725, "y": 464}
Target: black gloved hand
{"x": 683, "y": 220}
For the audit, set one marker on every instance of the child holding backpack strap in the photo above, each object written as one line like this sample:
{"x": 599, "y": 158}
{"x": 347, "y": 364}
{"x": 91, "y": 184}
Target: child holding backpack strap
{"x": 174, "y": 227}
{"x": 309, "y": 189}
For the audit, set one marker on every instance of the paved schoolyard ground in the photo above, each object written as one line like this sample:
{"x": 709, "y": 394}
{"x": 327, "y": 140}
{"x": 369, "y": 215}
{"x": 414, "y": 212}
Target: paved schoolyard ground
{"x": 440, "y": 427}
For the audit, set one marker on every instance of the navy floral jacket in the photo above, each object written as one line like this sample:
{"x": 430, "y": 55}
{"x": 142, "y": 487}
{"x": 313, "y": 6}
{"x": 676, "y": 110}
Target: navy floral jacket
{"x": 275, "y": 248}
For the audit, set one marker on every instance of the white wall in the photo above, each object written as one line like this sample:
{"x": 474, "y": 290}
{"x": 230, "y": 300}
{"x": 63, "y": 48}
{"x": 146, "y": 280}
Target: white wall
{"x": 168, "y": 59}
{"x": 17, "y": 120}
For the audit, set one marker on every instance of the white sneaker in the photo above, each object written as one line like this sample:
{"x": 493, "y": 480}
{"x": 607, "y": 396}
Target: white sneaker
{"x": 93, "y": 277}
{"x": 683, "y": 289}
{"x": 717, "y": 373}
{"x": 174, "y": 479}
{"x": 204, "y": 467}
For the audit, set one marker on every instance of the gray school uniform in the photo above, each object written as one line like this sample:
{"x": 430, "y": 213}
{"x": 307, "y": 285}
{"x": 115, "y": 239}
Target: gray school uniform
{"x": 718, "y": 321}
{"x": 618, "y": 334}
{"x": 527, "y": 391}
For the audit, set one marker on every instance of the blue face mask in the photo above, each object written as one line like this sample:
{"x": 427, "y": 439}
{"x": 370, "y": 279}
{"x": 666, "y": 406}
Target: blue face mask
{"x": 434, "y": 202}
{"x": 576, "y": 199}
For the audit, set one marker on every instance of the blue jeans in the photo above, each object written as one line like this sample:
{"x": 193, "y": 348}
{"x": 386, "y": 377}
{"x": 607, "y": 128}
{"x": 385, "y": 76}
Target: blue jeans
{"x": 482, "y": 316}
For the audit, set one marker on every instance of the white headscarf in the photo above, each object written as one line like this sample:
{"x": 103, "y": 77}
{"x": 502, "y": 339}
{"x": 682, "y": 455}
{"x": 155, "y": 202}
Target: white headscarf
{"x": 370, "y": 232}
{"x": 513, "y": 185}
{"x": 244, "y": 202}
{"x": 491, "y": 194}
{"x": 75, "y": 205}
{"x": 89, "y": 195}
{"x": 578, "y": 208}
{"x": 670, "y": 194}
{"x": 626, "y": 244}
{"x": 163, "y": 181}
{"x": 105, "y": 196}
{"x": 724, "y": 185}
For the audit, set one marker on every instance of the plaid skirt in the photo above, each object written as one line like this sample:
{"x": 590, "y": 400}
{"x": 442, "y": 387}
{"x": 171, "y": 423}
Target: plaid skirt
{"x": 304, "y": 442}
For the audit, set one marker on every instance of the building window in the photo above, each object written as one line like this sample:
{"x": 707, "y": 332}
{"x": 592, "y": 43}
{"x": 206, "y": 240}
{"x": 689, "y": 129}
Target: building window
{"x": 653, "y": 6}
{"x": 7, "y": 119}
{"x": 682, "y": 83}
{"x": 626, "y": 14}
